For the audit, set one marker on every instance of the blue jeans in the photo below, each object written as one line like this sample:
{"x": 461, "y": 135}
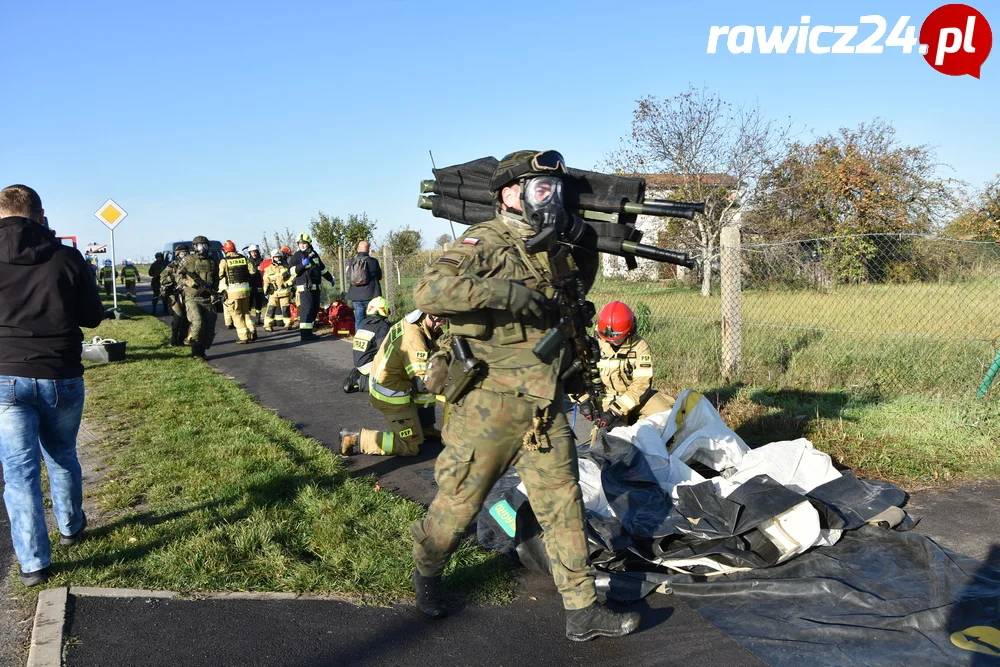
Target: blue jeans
{"x": 40, "y": 419}
{"x": 359, "y": 312}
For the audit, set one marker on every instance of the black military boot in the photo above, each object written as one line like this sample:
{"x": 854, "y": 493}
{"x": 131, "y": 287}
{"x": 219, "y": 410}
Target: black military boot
{"x": 428, "y": 591}
{"x": 198, "y": 351}
{"x": 598, "y": 621}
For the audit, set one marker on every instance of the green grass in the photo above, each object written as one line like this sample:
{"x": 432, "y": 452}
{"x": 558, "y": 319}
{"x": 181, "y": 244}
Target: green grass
{"x": 204, "y": 490}
{"x": 913, "y": 441}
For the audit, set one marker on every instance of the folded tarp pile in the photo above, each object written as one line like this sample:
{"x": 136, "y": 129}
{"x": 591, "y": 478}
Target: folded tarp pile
{"x": 679, "y": 503}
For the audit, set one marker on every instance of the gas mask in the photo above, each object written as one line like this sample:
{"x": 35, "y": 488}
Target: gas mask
{"x": 545, "y": 212}
{"x": 201, "y": 248}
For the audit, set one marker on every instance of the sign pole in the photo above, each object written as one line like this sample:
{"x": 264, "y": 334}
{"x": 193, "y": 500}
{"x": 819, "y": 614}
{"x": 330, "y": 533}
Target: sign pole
{"x": 114, "y": 271}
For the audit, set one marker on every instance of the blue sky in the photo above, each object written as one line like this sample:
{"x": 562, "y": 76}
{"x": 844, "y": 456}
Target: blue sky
{"x": 233, "y": 119}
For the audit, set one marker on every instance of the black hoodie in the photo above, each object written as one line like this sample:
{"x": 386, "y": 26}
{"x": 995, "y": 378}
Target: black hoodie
{"x": 47, "y": 293}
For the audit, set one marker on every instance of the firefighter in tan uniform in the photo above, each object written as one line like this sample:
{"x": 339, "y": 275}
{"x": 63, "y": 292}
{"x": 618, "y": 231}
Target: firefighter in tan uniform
{"x": 626, "y": 368}
{"x": 277, "y": 287}
{"x": 235, "y": 271}
{"x": 396, "y": 386}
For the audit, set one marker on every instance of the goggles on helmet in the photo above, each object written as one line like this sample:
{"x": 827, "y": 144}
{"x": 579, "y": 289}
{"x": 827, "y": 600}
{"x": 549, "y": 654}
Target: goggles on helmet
{"x": 548, "y": 161}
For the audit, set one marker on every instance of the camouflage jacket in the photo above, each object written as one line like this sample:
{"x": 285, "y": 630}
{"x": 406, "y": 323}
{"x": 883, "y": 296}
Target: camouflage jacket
{"x": 398, "y": 370}
{"x": 205, "y": 268}
{"x": 626, "y": 373}
{"x": 169, "y": 279}
{"x": 469, "y": 285}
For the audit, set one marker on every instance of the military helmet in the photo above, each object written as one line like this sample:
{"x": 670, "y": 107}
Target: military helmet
{"x": 182, "y": 247}
{"x": 229, "y": 246}
{"x": 304, "y": 238}
{"x": 522, "y": 164}
{"x": 200, "y": 239}
{"x": 378, "y": 306}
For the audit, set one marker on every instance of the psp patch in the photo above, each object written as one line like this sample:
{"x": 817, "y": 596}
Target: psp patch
{"x": 645, "y": 358}
{"x": 421, "y": 355}
{"x": 406, "y": 433}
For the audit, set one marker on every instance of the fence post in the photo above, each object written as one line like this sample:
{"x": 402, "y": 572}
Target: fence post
{"x": 388, "y": 269}
{"x": 732, "y": 301}
{"x": 343, "y": 288}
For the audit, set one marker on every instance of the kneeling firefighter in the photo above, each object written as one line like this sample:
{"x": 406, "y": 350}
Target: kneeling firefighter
{"x": 626, "y": 368}
{"x": 397, "y": 389}
{"x": 371, "y": 331}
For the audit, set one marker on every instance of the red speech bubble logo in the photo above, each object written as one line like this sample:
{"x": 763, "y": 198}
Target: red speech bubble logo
{"x": 956, "y": 40}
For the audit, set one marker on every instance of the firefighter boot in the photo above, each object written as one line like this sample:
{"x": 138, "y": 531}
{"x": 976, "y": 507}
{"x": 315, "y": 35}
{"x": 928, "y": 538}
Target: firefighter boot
{"x": 598, "y": 621}
{"x": 428, "y": 591}
{"x": 350, "y": 442}
{"x": 351, "y": 382}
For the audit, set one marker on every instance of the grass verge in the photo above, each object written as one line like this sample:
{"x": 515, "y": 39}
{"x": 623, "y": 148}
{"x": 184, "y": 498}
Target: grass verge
{"x": 205, "y": 490}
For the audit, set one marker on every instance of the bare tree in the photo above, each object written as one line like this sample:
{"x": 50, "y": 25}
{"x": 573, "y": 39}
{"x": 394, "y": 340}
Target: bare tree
{"x": 442, "y": 241}
{"x": 707, "y": 150}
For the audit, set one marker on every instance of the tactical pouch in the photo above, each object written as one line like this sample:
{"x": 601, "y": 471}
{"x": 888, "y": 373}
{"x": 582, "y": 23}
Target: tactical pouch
{"x": 463, "y": 371}
{"x": 436, "y": 377}
{"x": 476, "y": 324}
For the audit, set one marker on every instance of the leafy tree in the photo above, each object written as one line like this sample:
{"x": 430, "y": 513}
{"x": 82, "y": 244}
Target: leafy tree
{"x": 709, "y": 150}
{"x": 857, "y": 181}
{"x": 331, "y": 233}
{"x": 980, "y": 216}
{"x": 442, "y": 241}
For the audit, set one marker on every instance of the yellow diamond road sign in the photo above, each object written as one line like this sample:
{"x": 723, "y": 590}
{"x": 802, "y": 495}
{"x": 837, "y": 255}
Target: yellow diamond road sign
{"x": 110, "y": 213}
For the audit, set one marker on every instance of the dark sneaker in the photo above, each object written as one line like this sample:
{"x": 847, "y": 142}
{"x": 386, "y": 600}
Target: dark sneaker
{"x": 35, "y": 578}
{"x": 598, "y": 621}
{"x": 75, "y": 538}
{"x": 428, "y": 591}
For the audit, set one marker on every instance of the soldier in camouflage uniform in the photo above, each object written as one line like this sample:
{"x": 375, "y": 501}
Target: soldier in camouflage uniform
{"x": 626, "y": 367}
{"x": 173, "y": 297}
{"x": 496, "y": 294}
{"x": 396, "y": 387}
{"x": 198, "y": 303}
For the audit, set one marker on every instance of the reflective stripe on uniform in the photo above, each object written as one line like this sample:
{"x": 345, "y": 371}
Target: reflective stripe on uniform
{"x": 303, "y": 288}
{"x": 642, "y": 373}
{"x": 424, "y": 399}
{"x": 305, "y": 325}
{"x": 365, "y": 369}
{"x": 416, "y": 367}
{"x": 387, "y": 442}
{"x": 388, "y": 395}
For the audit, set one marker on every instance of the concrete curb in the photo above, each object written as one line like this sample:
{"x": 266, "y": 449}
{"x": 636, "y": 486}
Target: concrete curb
{"x": 47, "y": 634}
{"x": 95, "y": 592}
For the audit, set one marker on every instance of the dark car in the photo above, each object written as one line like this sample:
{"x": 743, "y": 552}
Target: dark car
{"x": 214, "y": 249}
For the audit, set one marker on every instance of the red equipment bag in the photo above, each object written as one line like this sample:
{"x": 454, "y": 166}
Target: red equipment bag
{"x": 341, "y": 318}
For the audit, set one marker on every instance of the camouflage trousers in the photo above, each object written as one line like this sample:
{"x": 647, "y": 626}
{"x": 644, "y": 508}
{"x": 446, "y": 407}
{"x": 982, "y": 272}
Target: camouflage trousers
{"x": 201, "y": 315}
{"x": 179, "y": 322}
{"x": 405, "y": 434}
{"x": 239, "y": 314}
{"x": 483, "y": 437}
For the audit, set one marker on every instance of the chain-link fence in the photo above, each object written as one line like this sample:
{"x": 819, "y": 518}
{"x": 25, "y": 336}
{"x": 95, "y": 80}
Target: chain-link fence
{"x": 886, "y": 313}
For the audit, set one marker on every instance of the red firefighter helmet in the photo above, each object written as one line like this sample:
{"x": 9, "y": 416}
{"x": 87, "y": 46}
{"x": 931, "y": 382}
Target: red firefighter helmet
{"x": 615, "y": 323}
{"x": 229, "y": 246}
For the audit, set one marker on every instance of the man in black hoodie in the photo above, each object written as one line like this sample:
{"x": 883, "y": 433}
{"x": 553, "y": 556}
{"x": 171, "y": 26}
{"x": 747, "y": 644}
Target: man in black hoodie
{"x": 47, "y": 293}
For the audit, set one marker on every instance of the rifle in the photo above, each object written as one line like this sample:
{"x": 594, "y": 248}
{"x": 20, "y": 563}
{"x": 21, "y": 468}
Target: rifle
{"x": 606, "y": 209}
{"x": 204, "y": 289}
